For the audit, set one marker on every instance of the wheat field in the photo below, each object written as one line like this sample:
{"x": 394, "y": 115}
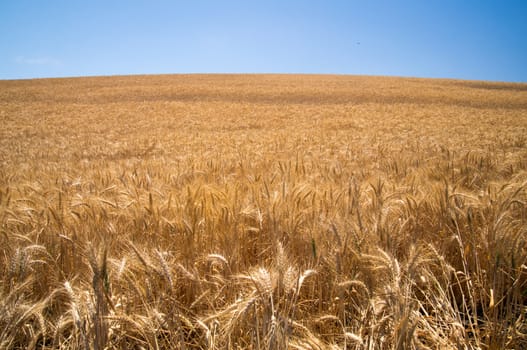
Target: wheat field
{"x": 263, "y": 212}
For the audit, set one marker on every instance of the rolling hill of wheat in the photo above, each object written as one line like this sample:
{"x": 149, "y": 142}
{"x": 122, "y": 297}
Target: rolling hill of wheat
{"x": 263, "y": 212}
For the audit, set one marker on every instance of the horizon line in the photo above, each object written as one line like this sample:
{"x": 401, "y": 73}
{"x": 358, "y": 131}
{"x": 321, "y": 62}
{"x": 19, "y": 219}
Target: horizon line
{"x": 395, "y": 76}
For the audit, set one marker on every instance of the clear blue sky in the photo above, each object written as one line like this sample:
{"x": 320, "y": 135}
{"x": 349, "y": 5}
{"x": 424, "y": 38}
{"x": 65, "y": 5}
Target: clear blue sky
{"x": 467, "y": 39}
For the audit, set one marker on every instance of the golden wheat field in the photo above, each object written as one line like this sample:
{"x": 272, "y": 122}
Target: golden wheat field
{"x": 263, "y": 212}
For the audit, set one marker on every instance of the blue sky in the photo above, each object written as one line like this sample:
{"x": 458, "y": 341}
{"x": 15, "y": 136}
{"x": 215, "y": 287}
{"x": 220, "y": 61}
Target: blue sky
{"x": 466, "y": 39}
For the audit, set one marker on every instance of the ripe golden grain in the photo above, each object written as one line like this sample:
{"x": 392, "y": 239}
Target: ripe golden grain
{"x": 262, "y": 211}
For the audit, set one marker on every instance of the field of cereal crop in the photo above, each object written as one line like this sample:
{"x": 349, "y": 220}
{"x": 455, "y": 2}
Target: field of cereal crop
{"x": 263, "y": 212}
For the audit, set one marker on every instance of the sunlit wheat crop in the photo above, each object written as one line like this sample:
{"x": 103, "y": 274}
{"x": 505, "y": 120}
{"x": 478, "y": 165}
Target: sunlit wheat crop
{"x": 263, "y": 212}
